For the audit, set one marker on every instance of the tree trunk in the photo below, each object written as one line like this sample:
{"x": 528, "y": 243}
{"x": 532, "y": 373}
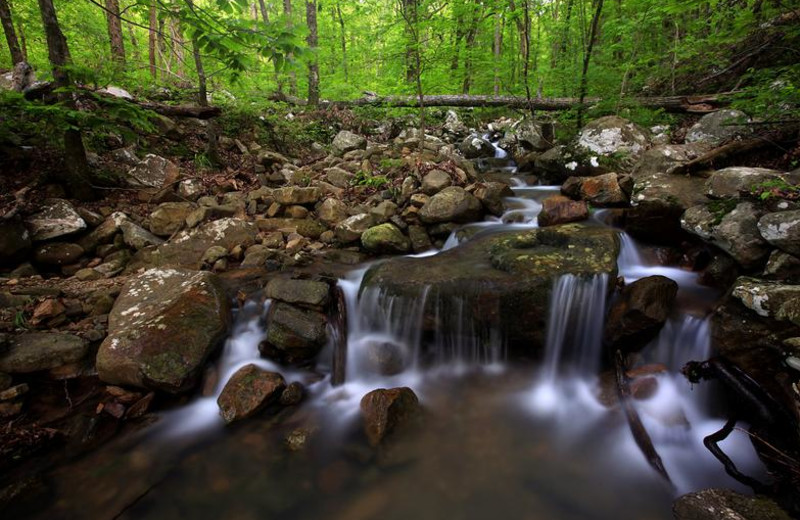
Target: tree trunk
{"x": 212, "y": 149}
{"x": 23, "y": 41}
{"x": 287, "y": 12}
{"x": 153, "y": 39}
{"x": 313, "y": 65}
{"x": 137, "y": 55}
{"x": 11, "y": 35}
{"x": 588, "y": 56}
{"x": 115, "y": 32}
{"x": 263, "y": 8}
{"x": 344, "y": 40}
{"x": 177, "y": 47}
{"x": 496, "y": 51}
{"x": 410, "y": 16}
{"x": 470, "y": 43}
{"x": 77, "y": 167}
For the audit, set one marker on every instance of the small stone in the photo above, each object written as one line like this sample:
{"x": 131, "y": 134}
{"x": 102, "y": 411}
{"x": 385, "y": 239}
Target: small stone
{"x": 249, "y": 391}
{"x": 308, "y": 292}
{"x": 384, "y": 410}
{"x": 13, "y": 392}
{"x": 293, "y": 394}
{"x": 558, "y": 209}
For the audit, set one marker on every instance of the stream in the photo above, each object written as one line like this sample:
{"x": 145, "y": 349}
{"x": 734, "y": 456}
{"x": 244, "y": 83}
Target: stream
{"x": 497, "y": 439}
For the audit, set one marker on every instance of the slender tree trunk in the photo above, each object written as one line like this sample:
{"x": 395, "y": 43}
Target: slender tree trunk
{"x": 153, "y": 39}
{"x": 287, "y": 12}
{"x": 212, "y": 149}
{"x": 115, "y": 32}
{"x": 77, "y": 167}
{"x": 588, "y": 56}
{"x": 313, "y": 65}
{"x": 137, "y": 55}
{"x": 344, "y": 40}
{"x": 458, "y": 36}
{"x": 410, "y": 15}
{"x": 496, "y": 50}
{"x": 263, "y": 8}
{"x": 23, "y": 41}
{"x": 177, "y": 48}
{"x": 11, "y": 35}
{"x": 470, "y": 43}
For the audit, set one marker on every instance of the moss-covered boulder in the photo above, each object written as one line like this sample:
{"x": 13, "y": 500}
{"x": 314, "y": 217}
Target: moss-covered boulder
{"x": 497, "y": 282}
{"x": 294, "y": 334}
{"x": 162, "y": 328}
{"x": 385, "y": 238}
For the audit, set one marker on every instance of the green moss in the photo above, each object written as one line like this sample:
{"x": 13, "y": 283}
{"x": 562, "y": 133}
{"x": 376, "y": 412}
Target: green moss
{"x": 720, "y": 208}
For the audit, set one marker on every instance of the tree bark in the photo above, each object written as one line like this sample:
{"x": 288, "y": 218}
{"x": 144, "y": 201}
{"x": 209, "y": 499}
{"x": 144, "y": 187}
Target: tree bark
{"x": 588, "y": 56}
{"x": 496, "y": 49}
{"x": 410, "y": 15}
{"x": 115, "y": 32}
{"x": 313, "y": 65}
{"x": 263, "y": 8}
{"x": 77, "y": 167}
{"x": 11, "y": 35}
{"x": 287, "y": 12}
{"x": 344, "y": 40}
{"x": 153, "y": 39}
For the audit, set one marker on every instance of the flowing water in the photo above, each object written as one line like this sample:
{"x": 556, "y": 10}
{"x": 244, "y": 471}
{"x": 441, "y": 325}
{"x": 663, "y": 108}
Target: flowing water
{"x": 497, "y": 439}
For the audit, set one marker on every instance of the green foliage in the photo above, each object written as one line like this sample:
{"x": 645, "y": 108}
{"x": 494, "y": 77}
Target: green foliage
{"x": 368, "y": 180}
{"x": 720, "y": 208}
{"x": 775, "y": 188}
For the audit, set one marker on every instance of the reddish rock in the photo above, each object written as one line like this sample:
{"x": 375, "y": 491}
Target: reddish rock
{"x": 558, "y": 209}
{"x": 640, "y": 312}
{"x": 386, "y": 409}
{"x": 249, "y": 391}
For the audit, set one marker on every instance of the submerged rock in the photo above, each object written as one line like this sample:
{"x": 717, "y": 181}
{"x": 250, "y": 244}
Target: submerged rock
{"x": 163, "y": 327}
{"x": 294, "y": 335}
{"x": 384, "y": 410}
{"x": 640, "y": 312}
{"x": 248, "y": 391}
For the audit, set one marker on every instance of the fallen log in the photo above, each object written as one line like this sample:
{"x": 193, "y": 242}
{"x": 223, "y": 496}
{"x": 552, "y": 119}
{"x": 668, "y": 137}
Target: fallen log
{"x": 699, "y": 104}
{"x": 339, "y": 323}
{"x": 638, "y": 430}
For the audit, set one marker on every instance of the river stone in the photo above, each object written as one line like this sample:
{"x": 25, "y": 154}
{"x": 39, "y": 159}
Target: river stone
{"x": 725, "y": 504}
{"x": 529, "y": 134}
{"x": 15, "y": 241}
{"x": 294, "y": 335}
{"x": 248, "y": 391}
{"x": 351, "y": 228}
{"x": 783, "y": 266}
{"x": 170, "y": 217}
{"x": 501, "y": 281}
{"x": 738, "y": 235}
{"x": 420, "y": 241}
{"x": 57, "y": 218}
{"x": 452, "y": 204}
{"x": 347, "y": 142}
{"x": 639, "y": 313}
{"x": 384, "y": 410}
{"x": 332, "y": 211}
{"x": 474, "y": 147}
{"x": 602, "y": 191}
{"x": 491, "y": 195}
{"x": 613, "y": 135}
{"x": 163, "y": 327}
{"x": 557, "y": 209}
{"x": 730, "y": 182}
{"x": 782, "y": 230}
{"x": 767, "y": 298}
{"x": 137, "y": 237}
{"x": 338, "y": 177}
{"x": 385, "y": 238}
{"x": 186, "y": 249}
{"x": 306, "y": 292}
{"x": 36, "y": 351}
{"x": 152, "y": 172}
{"x": 306, "y": 227}
{"x": 292, "y": 195}
{"x": 719, "y": 126}
{"x": 58, "y": 253}
{"x": 435, "y": 181}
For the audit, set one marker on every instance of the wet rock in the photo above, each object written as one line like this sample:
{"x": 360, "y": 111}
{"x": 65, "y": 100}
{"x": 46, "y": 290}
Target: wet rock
{"x": 435, "y": 181}
{"x": 452, "y": 204}
{"x": 420, "y": 241}
{"x": 385, "y": 410}
{"x": 186, "y": 249}
{"x": 639, "y": 313}
{"x": 347, "y": 142}
{"x": 385, "y": 238}
{"x": 57, "y": 253}
{"x": 294, "y": 335}
{"x": 613, "y": 136}
{"x": 603, "y": 191}
{"x": 719, "y": 126}
{"x": 725, "y": 504}
{"x": 783, "y": 266}
{"x": 558, "y": 209}
{"x": 385, "y": 358}
{"x": 170, "y": 217}
{"x": 293, "y": 394}
{"x": 295, "y": 195}
{"x": 515, "y": 270}
{"x": 15, "y": 241}
{"x": 304, "y": 292}
{"x": 152, "y": 172}
{"x": 351, "y": 229}
{"x": 735, "y": 232}
{"x": 56, "y": 219}
{"x": 36, "y": 351}
{"x": 491, "y": 195}
{"x": 732, "y": 182}
{"x": 162, "y": 328}
{"x": 782, "y": 230}
{"x": 769, "y": 299}
{"x": 248, "y": 391}
{"x": 474, "y": 147}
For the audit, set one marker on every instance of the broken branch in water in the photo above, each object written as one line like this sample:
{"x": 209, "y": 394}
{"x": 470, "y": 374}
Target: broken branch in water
{"x": 711, "y": 443}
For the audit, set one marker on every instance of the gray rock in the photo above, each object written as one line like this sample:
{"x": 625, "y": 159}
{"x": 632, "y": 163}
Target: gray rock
{"x": 36, "y": 351}
{"x": 295, "y": 195}
{"x": 186, "y": 249}
{"x": 735, "y": 232}
{"x": 385, "y": 238}
{"x": 783, "y": 266}
{"x": 57, "y": 218}
{"x": 529, "y": 134}
{"x": 613, "y": 135}
{"x": 347, "y": 141}
{"x": 351, "y": 229}
{"x": 163, "y": 327}
{"x": 152, "y": 172}
{"x": 452, "y": 204}
{"x": 383, "y": 211}
{"x": 782, "y": 230}
{"x": 491, "y": 195}
{"x": 338, "y": 177}
{"x": 137, "y": 237}
{"x": 294, "y": 335}
{"x": 729, "y": 182}
{"x": 58, "y": 253}
{"x": 191, "y": 189}
{"x": 725, "y": 504}
{"x": 332, "y": 211}
{"x": 435, "y": 181}
{"x": 305, "y": 292}
{"x": 306, "y": 227}
{"x": 475, "y": 147}
{"x": 420, "y": 241}
{"x": 170, "y": 217}
{"x": 769, "y": 299}
{"x": 719, "y": 126}
{"x": 453, "y": 124}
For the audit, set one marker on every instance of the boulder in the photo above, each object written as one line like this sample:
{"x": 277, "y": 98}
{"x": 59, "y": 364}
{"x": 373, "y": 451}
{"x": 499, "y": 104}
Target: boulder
{"x": 475, "y": 147}
{"x": 491, "y": 195}
{"x": 603, "y": 191}
{"x": 529, "y": 134}
{"x": 769, "y": 299}
{"x": 294, "y": 195}
{"x": 731, "y": 182}
{"x": 718, "y": 127}
{"x": 136, "y": 237}
{"x": 36, "y": 351}
{"x": 338, "y": 177}
{"x": 453, "y": 125}
{"x": 248, "y": 391}
{"x": 332, "y": 211}
{"x": 57, "y": 218}
{"x": 420, "y": 241}
{"x": 385, "y": 238}
{"x": 735, "y": 232}
{"x": 347, "y": 142}
{"x": 294, "y": 335}
{"x": 15, "y": 241}
{"x": 170, "y": 217}
{"x": 557, "y": 209}
{"x": 186, "y": 249}
{"x": 191, "y": 189}
{"x": 351, "y": 229}
{"x": 725, "y": 504}
{"x": 163, "y": 327}
{"x": 306, "y": 227}
{"x": 384, "y": 211}
{"x": 639, "y": 313}
{"x": 57, "y": 253}
{"x": 152, "y": 172}
{"x": 782, "y": 266}
{"x": 782, "y": 230}
{"x": 501, "y": 282}
{"x": 385, "y": 410}
{"x": 613, "y": 136}
{"x": 304, "y": 292}
{"x": 452, "y": 204}
{"x": 435, "y": 181}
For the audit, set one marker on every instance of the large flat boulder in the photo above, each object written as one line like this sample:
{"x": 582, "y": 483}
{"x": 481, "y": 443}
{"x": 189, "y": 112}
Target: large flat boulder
{"x": 782, "y": 230}
{"x": 36, "y": 351}
{"x": 57, "y": 218}
{"x": 187, "y": 248}
{"x": 720, "y": 126}
{"x": 162, "y": 328}
{"x": 613, "y": 136}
